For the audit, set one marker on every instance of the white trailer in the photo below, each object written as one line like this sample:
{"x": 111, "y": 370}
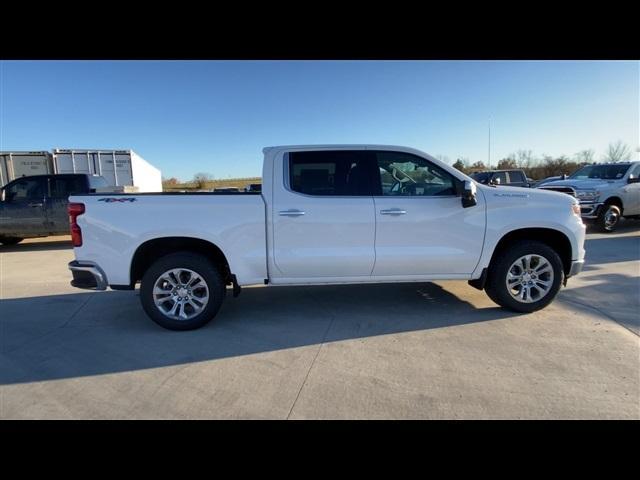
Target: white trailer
{"x": 119, "y": 167}
{"x": 20, "y": 164}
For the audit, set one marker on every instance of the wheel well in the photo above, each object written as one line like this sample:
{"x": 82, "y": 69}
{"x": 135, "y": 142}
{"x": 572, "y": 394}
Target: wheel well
{"x": 152, "y": 250}
{"x": 553, "y": 238}
{"x": 617, "y": 201}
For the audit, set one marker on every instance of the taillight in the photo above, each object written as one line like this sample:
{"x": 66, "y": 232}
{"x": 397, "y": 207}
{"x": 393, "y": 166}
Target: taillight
{"x": 75, "y": 210}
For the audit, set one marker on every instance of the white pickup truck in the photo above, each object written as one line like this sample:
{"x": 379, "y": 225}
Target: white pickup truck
{"x": 329, "y": 214}
{"x": 606, "y": 191}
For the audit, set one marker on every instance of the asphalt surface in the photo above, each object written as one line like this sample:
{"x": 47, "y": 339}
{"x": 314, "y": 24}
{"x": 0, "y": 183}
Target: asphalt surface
{"x": 425, "y": 351}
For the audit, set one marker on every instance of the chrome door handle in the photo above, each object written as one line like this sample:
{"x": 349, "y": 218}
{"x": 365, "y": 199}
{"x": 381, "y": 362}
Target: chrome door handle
{"x": 393, "y": 211}
{"x": 291, "y": 213}
{"x": 35, "y": 204}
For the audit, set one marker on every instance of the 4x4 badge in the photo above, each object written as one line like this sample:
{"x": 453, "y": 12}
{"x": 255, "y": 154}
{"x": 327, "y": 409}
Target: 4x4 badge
{"x": 111, "y": 200}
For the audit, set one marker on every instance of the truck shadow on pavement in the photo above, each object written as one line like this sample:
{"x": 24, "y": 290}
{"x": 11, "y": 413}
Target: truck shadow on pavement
{"x": 75, "y": 335}
{"x": 613, "y": 295}
{"x": 37, "y": 246}
{"x": 82, "y": 334}
{"x": 603, "y": 250}
{"x": 625, "y": 225}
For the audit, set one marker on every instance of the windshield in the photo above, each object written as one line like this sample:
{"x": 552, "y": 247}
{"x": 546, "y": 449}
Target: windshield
{"x": 604, "y": 172}
{"x": 481, "y": 177}
{"x": 96, "y": 181}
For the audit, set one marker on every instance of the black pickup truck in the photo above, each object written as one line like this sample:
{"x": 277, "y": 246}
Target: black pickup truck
{"x": 36, "y": 206}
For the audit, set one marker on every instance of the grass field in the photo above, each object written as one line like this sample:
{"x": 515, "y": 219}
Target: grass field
{"x": 229, "y": 182}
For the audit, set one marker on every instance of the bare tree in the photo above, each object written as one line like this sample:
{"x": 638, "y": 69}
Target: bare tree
{"x": 479, "y": 165}
{"x": 507, "y": 163}
{"x": 585, "y": 156}
{"x": 617, "y": 152}
{"x": 556, "y": 166}
{"x": 524, "y": 159}
{"x": 170, "y": 182}
{"x": 201, "y": 179}
{"x": 442, "y": 158}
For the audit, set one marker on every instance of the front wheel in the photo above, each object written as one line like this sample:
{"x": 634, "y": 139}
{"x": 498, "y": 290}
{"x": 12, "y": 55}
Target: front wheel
{"x": 525, "y": 277}
{"x": 182, "y": 291}
{"x": 609, "y": 218}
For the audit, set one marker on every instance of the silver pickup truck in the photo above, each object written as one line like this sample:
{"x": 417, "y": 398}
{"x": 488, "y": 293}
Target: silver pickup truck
{"x": 606, "y": 191}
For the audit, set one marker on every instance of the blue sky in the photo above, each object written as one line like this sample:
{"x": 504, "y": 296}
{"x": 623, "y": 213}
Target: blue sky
{"x": 215, "y": 116}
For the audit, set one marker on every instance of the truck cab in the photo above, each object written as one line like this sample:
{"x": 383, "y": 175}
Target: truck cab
{"x": 36, "y": 206}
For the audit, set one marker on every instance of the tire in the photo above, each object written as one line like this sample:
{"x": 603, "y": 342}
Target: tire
{"x": 173, "y": 287}
{"x": 609, "y": 218}
{"x": 504, "y": 263}
{"x": 10, "y": 240}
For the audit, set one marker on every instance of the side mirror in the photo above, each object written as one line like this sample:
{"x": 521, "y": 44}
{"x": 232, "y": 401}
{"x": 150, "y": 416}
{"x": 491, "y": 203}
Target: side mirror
{"x": 633, "y": 179}
{"x": 469, "y": 194}
{"x": 495, "y": 181}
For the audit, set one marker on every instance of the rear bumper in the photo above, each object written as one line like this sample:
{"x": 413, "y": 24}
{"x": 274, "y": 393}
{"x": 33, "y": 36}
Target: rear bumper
{"x": 87, "y": 275}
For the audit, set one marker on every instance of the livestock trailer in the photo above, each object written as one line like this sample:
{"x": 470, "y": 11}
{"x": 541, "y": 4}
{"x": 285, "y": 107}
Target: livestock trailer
{"x": 119, "y": 167}
{"x": 23, "y": 164}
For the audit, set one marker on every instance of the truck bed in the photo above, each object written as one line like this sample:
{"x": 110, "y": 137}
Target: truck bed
{"x": 114, "y": 226}
{"x": 168, "y": 193}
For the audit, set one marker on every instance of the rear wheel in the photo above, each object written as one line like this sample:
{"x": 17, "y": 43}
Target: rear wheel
{"x": 609, "y": 218}
{"x": 10, "y": 240}
{"x": 525, "y": 277}
{"x": 182, "y": 291}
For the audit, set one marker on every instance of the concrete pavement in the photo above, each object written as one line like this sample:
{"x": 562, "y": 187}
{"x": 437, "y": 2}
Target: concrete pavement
{"x": 429, "y": 350}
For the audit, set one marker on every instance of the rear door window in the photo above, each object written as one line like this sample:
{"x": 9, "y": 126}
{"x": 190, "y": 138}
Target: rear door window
{"x": 330, "y": 173}
{"x": 97, "y": 182}
{"x": 63, "y": 186}
{"x": 516, "y": 177}
{"x": 502, "y": 176}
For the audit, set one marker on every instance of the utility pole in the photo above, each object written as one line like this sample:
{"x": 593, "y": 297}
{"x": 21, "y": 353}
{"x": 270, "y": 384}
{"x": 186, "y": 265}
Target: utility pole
{"x": 489, "y": 156}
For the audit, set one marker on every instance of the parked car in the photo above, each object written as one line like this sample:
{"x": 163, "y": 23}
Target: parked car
{"x": 36, "y": 206}
{"x": 512, "y": 178}
{"x": 606, "y": 191}
{"x": 226, "y": 189}
{"x": 328, "y": 215}
{"x": 253, "y": 187}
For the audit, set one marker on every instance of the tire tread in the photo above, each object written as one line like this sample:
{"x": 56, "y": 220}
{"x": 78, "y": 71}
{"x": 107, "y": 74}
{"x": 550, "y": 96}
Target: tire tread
{"x": 193, "y": 261}
{"x": 495, "y": 287}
